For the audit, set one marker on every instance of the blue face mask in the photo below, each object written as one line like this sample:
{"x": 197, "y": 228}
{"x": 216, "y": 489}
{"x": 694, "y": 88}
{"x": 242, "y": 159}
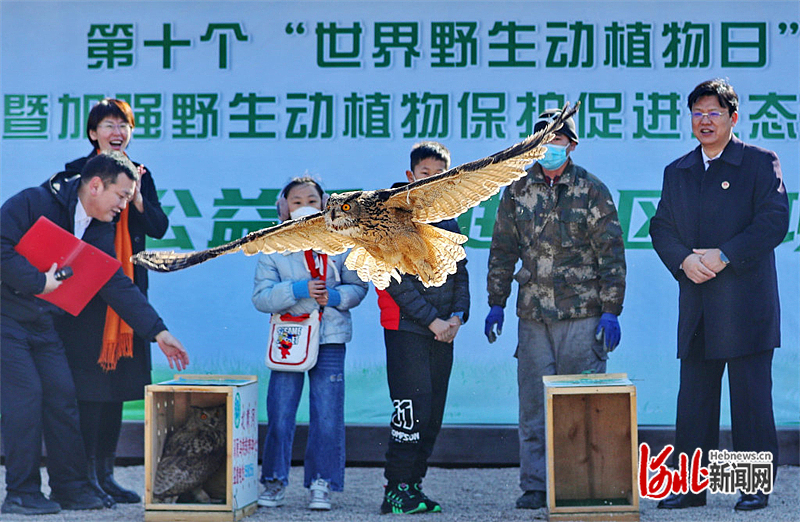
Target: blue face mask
{"x": 555, "y": 156}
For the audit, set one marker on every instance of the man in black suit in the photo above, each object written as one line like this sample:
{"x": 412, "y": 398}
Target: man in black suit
{"x": 723, "y": 210}
{"x": 37, "y": 392}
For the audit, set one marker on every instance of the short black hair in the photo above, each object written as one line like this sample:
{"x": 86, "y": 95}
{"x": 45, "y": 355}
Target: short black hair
{"x": 719, "y": 88}
{"x": 429, "y": 149}
{"x": 108, "y": 107}
{"x": 107, "y": 166}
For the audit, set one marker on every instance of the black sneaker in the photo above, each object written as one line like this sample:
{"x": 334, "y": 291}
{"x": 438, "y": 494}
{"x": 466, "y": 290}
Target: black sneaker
{"x": 433, "y": 506}
{"x": 29, "y": 504}
{"x": 402, "y": 499}
{"x": 84, "y": 498}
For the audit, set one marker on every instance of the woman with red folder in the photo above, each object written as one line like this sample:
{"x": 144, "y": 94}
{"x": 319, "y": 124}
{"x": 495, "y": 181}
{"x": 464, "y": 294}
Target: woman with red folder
{"x": 109, "y": 363}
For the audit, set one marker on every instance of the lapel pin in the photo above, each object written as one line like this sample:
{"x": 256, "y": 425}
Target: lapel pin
{"x": 725, "y": 185}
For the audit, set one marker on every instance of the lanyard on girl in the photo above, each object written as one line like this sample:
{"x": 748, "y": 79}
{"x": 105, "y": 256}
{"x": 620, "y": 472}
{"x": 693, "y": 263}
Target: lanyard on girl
{"x": 313, "y": 264}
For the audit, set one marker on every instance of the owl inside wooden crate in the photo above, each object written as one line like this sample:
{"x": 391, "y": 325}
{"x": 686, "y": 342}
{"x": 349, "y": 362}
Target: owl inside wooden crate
{"x": 192, "y": 462}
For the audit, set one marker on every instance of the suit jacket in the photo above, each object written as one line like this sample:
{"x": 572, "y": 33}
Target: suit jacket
{"x": 21, "y": 280}
{"x": 740, "y": 206}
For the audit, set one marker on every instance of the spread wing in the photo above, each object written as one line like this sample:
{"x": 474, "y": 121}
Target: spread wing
{"x": 453, "y": 192}
{"x": 290, "y": 236}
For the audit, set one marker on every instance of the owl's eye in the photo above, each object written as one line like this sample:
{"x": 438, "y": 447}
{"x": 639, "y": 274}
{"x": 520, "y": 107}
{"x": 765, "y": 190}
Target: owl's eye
{"x": 346, "y": 207}
{"x": 203, "y": 416}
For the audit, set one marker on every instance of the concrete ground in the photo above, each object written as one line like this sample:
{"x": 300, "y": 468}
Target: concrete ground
{"x": 477, "y": 494}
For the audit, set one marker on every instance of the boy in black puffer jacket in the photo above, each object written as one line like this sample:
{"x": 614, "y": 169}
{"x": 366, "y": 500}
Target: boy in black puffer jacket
{"x": 419, "y": 327}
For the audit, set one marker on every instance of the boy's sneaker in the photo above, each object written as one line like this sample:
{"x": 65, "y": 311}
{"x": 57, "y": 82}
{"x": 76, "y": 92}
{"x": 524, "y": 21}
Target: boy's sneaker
{"x": 433, "y": 506}
{"x": 402, "y": 498}
{"x": 274, "y": 495}
{"x": 29, "y": 504}
{"x": 319, "y": 495}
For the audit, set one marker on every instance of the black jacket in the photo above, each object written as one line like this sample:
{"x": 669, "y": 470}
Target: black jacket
{"x": 21, "y": 280}
{"x": 740, "y": 206}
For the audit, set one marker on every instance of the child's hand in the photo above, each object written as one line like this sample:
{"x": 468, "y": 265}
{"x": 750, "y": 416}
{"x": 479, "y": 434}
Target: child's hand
{"x": 455, "y": 324}
{"x": 318, "y": 291}
{"x": 440, "y": 329}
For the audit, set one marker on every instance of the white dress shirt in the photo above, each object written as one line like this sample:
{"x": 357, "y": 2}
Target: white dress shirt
{"x": 81, "y": 220}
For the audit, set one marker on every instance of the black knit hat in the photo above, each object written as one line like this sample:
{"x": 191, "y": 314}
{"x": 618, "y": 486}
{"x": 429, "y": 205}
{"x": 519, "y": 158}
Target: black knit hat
{"x": 567, "y": 129}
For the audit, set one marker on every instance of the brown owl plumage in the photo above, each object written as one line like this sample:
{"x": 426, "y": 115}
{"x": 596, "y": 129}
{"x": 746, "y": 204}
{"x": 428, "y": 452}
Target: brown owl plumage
{"x": 387, "y": 229}
{"x": 192, "y": 453}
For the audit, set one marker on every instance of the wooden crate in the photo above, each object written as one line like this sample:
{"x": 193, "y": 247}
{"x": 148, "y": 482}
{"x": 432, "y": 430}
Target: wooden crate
{"x": 166, "y": 407}
{"x": 592, "y": 445}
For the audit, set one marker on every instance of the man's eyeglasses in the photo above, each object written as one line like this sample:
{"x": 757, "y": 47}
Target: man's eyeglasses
{"x": 712, "y": 115}
{"x": 113, "y": 126}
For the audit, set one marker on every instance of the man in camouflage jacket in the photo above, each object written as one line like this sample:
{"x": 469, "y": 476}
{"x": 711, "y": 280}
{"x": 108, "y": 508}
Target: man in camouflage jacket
{"x": 561, "y": 222}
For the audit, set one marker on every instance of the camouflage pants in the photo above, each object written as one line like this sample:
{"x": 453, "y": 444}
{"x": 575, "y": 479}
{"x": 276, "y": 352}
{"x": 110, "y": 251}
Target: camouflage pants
{"x": 564, "y": 347}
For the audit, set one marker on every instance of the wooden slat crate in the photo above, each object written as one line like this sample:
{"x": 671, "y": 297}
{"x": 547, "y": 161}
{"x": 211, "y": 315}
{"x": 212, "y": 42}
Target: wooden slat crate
{"x": 592, "y": 443}
{"x": 166, "y": 407}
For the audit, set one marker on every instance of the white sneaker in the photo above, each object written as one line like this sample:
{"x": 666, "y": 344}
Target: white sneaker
{"x": 274, "y": 495}
{"x": 319, "y": 495}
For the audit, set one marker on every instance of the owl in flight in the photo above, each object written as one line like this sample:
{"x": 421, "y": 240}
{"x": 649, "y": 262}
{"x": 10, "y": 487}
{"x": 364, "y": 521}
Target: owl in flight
{"x": 387, "y": 229}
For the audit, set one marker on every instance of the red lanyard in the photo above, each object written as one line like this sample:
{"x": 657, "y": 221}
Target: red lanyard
{"x": 312, "y": 264}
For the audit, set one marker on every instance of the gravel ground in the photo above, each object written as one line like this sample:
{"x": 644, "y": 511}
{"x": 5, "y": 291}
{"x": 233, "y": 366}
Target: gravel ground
{"x": 481, "y": 494}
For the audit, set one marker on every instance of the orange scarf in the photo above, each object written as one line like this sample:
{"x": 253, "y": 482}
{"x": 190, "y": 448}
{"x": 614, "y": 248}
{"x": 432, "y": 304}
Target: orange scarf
{"x": 117, "y": 335}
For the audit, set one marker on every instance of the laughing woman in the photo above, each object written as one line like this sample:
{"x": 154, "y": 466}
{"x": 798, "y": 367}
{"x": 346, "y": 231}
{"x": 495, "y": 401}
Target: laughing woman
{"x": 109, "y": 363}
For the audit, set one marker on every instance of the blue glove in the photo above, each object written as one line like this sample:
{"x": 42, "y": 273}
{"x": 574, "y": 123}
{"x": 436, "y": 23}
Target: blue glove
{"x": 495, "y": 317}
{"x": 608, "y": 330}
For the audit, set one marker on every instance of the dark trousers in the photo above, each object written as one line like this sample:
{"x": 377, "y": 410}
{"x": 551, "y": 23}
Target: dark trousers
{"x": 37, "y": 398}
{"x": 750, "y": 385}
{"x": 101, "y": 423}
{"x": 418, "y": 369}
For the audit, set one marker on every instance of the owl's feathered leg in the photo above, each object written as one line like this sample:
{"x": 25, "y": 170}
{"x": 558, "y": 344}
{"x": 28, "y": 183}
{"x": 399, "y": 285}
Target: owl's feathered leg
{"x": 368, "y": 268}
{"x": 444, "y": 251}
{"x": 431, "y": 254}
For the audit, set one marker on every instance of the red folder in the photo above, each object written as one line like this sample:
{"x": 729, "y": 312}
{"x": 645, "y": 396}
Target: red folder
{"x": 46, "y": 243}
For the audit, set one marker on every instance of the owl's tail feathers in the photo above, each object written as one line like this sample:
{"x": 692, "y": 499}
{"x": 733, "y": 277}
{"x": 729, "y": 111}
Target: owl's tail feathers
{"x": 172, "y": 261}
{"x": 368, "y": 268}
{"x": 444, "y": 252}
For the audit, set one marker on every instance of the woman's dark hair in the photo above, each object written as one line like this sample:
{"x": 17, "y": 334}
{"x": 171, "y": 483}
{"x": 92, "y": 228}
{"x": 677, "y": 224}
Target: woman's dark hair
{"x": 721, "y": 89}
{"x": 105, "y": 108}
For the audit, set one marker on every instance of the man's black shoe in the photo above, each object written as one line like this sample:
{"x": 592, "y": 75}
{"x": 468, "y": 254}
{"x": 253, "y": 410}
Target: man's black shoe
{"x": 532, "y": 500}
{"x": 84, "y": 498}
{"x": 682, "y": 500}
{"x": 29, "y": 504}
{"x": 748, "y": 502}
